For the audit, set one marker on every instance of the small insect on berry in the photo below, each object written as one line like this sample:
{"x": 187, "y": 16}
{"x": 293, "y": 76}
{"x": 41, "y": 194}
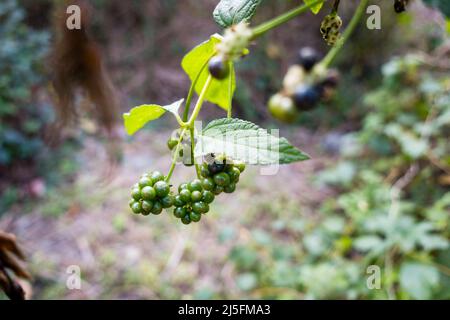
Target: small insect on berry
{"x": 218, "y": 67}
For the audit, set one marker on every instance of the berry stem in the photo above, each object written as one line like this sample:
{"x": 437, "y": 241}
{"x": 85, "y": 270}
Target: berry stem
{"x": 347, "y": 33}
{"x": 283, "y": 18}
{"x": 230, "y": 86}
{"x": 192, "y": 90}
{"x": 200, "y": 100}
{"x": 175, "y": 156}
{"x": 336, "y": 6}
{"x": 197, "y": 168}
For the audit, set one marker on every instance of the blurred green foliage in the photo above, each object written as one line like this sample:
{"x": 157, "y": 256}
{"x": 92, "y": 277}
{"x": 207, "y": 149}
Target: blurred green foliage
{"x": 23, "y": 151}
{"x": 392, "y": 209}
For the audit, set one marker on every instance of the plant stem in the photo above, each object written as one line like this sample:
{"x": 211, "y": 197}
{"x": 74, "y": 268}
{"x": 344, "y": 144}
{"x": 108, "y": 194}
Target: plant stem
{"x": 192, "y": 90}
{"x": 347, "y": 33}
{"x": 230, "y": 86}
{"x": 175, "y": 155}
{"x": 281, "y": 19}
{"x": 198, "y": 106}
{"x": 197, "y": 168}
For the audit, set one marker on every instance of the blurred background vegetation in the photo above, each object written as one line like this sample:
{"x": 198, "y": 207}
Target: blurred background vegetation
{"x": 376, "y": 192}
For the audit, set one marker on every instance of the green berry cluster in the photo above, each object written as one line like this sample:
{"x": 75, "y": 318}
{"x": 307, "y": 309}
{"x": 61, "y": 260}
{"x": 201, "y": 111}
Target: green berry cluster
{"x": 151, "y": 194}
{"x": 330, "y": 28}
{"x": 193, "y": 198}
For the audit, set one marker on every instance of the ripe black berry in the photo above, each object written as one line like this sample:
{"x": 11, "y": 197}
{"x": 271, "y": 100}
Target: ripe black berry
{"x": 308, "y": 57}
{"x": 306, "y": 97}
{"x": 218, "y": 67}
{"x": 216, "y": 167}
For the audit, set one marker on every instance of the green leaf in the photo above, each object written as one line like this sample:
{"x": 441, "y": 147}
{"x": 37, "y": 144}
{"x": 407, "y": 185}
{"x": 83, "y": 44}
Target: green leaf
{"x": 442, "y": 5}
{"x": 195, "y": 62}
{"x": 316, "y": 8}
{"x": 245, "y": 141}
{"x": 230, "y": 12}
{"x": 139, "y": 116}
{"x": 419, "y": 280}
{"x": 368, "y": 243}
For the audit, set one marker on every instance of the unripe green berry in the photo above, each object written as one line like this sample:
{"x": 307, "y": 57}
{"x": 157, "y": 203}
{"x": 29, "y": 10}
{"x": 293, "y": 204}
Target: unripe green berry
{"x": 136, "y": 193}
{"x": 146, "y": 207}
{"x": 194, "y": 185}
{"x": 186, "y": 219}
{"x": 145, "y": 181}
{"x": 179, "y": 212}
{"x": 218, "y": 190}
{"x": 185, "y": 195}
{"x": 172, "y": 143}
{"x": 230, "y": 188}
{"x": 167, "y": 201}
{"x": 204, "y": 171}
{"x": 196, "y": 196}
{"x": 148, "y": 193}
{"x": 194, "y": 216}
{"x": 199, "y": 207}
{"x": 178, "y": 202}
{"x": 182, "y": 186}
{"x": 240, "y": 165}
{"x": 136, "y": 207}
{"x": 222, "y": 179}
{"x": 208, "y": 184}
{"x": 157, "y": 176}
{"x": 162, "y": 189}
{"x": 234, "y": 174}
{"x": 208, "y": 196}
{"x": 157, "y": 208}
